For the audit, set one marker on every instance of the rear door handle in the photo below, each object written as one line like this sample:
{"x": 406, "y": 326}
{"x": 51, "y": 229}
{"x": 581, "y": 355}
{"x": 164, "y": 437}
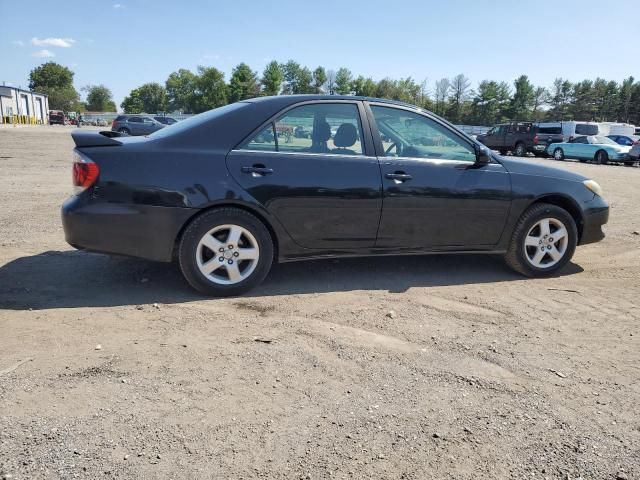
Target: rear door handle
{"x": 398, "y": 177}
{"x": 257, "y": 170}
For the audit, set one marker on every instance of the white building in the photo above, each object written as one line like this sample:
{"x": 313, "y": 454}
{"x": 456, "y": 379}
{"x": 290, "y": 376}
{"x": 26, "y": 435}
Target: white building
{"x": 23, "y": 106}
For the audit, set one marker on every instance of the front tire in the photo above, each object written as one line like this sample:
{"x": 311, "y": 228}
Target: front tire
{"x": 558, "y": 154}
{"x": 543, "y": 241}
{"x": 225, "y": 252}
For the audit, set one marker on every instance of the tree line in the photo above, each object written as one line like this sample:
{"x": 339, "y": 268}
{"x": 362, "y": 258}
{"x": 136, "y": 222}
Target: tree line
{"x": 454, "y": 98}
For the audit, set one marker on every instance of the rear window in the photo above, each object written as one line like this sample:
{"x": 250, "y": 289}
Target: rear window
{"x": 550, "y": 130}
{"x": 586, "y": 129}
{"x": 196, "y": 120}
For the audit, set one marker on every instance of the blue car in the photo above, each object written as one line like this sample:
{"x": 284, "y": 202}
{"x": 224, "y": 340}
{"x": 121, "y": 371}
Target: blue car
{"x": 600, "y": 149}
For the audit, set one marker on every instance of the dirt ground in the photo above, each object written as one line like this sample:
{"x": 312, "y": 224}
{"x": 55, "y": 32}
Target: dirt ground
{"x": 413, "y": 368}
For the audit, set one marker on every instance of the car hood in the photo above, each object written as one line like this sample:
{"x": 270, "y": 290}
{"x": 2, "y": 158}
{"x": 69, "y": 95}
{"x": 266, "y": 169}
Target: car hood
{"x": 524, "y": 167}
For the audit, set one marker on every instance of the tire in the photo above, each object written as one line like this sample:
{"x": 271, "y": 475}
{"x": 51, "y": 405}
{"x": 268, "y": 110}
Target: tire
{"x": 502, "y": 152}
{"x": 601, "y": 157}
{"x": 124, "y": 131}
{"x": 217, "y": 226}
{"x": 520, "y": 150}
{"x": 558, "y": 154}
{"x": 523, "y": 250}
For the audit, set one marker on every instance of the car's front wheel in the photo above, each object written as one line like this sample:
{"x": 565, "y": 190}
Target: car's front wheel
{"x": 225, "y": 252}
{"x": 543, "y": 241}
{"x": 558, "y": 154}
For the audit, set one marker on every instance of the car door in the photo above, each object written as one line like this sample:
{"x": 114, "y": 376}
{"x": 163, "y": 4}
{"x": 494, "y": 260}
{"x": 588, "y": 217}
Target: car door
{"x": 135, "y": 125}
{"x": 324, "y": 188}
{"x": 434, "y": 193}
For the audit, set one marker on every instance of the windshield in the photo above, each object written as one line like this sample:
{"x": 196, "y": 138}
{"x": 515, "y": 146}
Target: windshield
{"x": 196, "y": 120}
{"x": 602, "y": 140}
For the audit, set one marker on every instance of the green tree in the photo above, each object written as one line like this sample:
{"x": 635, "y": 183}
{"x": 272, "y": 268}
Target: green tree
{"x": 486, "y": 105}
{"x": 304, "y": 81}
{"x": 343, "y": 81}
{"x": 625, "y": 95}
{"x": 291, "y": 72}
{"x": 148, "y": 98}
{"x": 540, "y": 99}
{"x": 364, "y": 87}
{"x": 459, "y": 94}
{"x": 272, "y": 78}
{"x": 182, "y": 91}
{"x": 243, "y": 83}
{"x": 99, "y": 99}
{"x": 56, "y": 81}
{"x": 212, "y": 89}
{"x": 522, "y": 98}
{"x": 443, "y": 86}
{"x": 560, "y": 99}
{"x": 319, "y": 79}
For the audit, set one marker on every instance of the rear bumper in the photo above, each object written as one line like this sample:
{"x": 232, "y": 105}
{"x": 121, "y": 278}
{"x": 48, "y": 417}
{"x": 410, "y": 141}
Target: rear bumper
{"x": 135, "y": 230}
{"x": 595, "y": 216}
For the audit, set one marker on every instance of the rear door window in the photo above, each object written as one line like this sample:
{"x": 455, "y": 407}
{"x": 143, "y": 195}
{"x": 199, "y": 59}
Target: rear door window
{"x": 135, "y": 120}
{"x": 586, "y": 129}
{"x": 321, "y": 128}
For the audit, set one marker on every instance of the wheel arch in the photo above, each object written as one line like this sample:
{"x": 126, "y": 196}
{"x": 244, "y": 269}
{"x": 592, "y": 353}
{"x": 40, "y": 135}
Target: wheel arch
{"x": 227, "y": 204}
{"x": 565, "y": 202}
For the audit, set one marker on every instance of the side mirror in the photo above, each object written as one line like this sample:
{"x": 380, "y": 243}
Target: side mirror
{"x": 483, "y": 155}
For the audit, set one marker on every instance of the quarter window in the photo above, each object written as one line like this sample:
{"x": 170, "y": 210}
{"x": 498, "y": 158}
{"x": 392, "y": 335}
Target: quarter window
{"x": 407, "y": 134}
{"x": 322, "y": 128}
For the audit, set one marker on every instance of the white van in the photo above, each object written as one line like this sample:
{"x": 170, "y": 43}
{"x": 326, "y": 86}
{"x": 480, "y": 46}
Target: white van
{"x": 569, "y": 129}
{"x": 613, "y": 128}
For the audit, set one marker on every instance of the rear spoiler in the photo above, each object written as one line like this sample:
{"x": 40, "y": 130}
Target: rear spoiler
{"x": 85, "y": 138}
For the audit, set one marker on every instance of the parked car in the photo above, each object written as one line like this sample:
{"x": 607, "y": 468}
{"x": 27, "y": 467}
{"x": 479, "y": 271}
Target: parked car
{"x": 56, "y": 117}
{"x": 518, "y": 138}
{"x": 570, "y": 129}
{"x": 602, "y": 150}
{"x": 613, "y": 128}
{"x": 625, "y": 140}
{"x": 165, "y": 120}
{"x": 634, "y": 153}
{"x": 135, "y": 125}
{"x": 226, "y": 205}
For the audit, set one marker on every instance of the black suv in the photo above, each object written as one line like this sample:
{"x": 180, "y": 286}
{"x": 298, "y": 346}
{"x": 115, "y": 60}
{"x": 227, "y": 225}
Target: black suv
{"x": 135, "y": 125}
{"x": 519, "y": 138}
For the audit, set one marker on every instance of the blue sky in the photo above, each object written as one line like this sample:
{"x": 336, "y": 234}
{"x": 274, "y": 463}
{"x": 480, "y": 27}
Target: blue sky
{"x": 125, "y": 43}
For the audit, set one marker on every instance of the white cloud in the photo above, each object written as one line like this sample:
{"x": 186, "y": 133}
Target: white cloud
{"x": 19, "y": 43}
{"x": 53, "y": 42}
{"x": 44, "y": 53}
{"x": 118, "y": 6}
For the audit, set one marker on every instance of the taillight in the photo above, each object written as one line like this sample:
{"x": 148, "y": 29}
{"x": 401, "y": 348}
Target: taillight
{"x": 535, "y": 140}
{"x": 85, "y": 172}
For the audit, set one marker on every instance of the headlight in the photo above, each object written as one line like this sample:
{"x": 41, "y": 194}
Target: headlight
{"x": 593, "y": 186}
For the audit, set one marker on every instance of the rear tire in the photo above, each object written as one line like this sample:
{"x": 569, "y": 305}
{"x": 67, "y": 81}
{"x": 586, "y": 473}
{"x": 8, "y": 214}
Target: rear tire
{"x": 520, "y": 150}
{"x": 601, "y": 157}
{"x": 216, "y": 264}
{"x": 543, "y": 241}
{"x": 124, "y": 131}
{"x": 558, "y": 154}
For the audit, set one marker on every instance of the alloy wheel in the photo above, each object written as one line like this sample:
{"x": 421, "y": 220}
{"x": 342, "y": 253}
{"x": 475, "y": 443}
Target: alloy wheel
{"x": 546, "y": 243}
{"x": 227, "y": 254}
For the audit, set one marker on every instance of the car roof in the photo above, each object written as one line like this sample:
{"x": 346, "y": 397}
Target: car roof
{"x": 285, "y": 100}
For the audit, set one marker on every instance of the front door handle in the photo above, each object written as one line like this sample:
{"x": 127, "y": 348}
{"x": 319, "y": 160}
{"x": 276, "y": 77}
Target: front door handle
{"x": 398, "y": 177}
{"x": 257, "y": 170}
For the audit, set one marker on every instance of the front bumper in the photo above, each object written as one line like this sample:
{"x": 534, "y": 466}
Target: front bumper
{"x": 594, "y": 217}
{"x": 143, "y": 231}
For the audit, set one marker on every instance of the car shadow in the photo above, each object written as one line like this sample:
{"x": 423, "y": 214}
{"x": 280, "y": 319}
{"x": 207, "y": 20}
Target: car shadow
{"x": 72, "y": 279}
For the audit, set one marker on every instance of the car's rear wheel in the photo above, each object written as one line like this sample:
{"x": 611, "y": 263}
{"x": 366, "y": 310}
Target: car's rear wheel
{"x": 558, "y": 154}
{"x": 601, "y": 157}
{"x": 543, "y": 241}
{"x": 520, "y": 150}
{"x": 225, "y": 252}
{"x": 124, "y": 131}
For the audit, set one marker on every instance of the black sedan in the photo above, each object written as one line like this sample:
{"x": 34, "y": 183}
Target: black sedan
{"x": 227, "y": 192}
